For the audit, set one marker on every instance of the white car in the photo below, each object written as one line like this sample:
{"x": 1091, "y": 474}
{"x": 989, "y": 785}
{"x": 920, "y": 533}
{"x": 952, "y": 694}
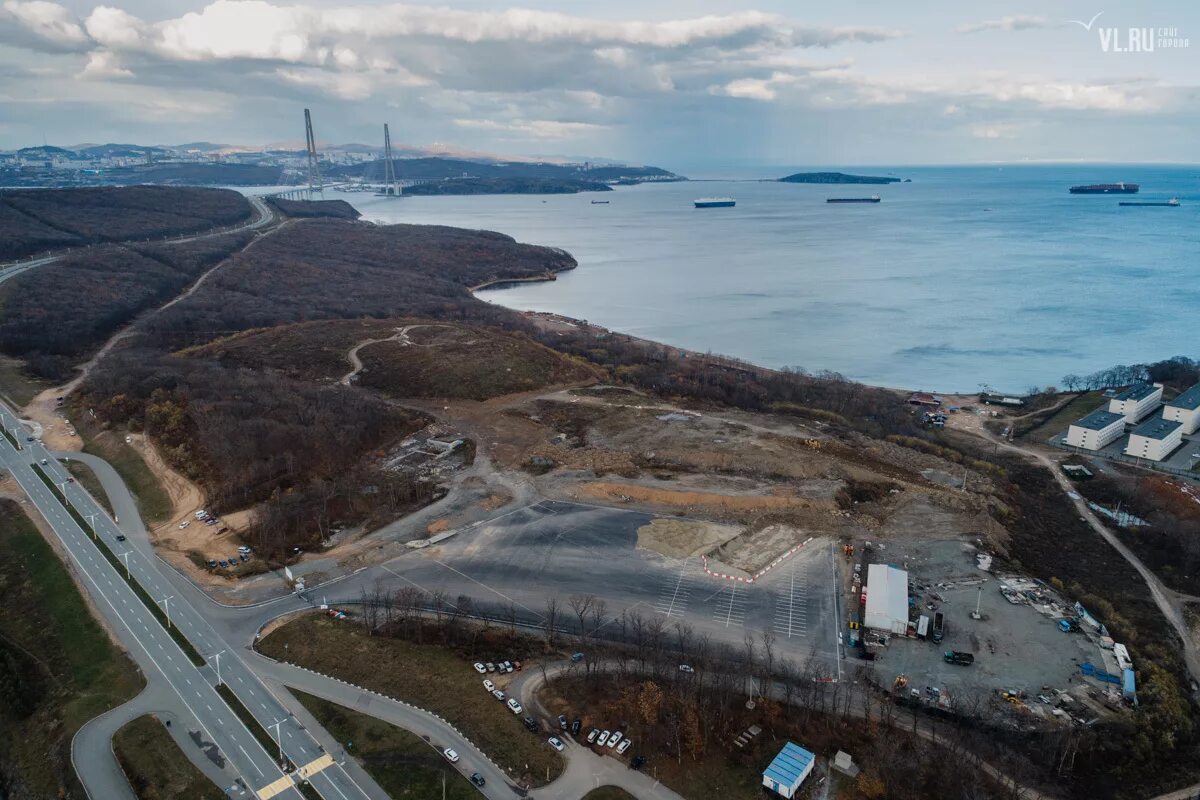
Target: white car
{"x": 623, "y": 746}
{"x": 556, "y": 744}
{"x": 200, "y": 514}
{"x": 686, "y": 668}
{"x": 603, "y": 739}
{"x": 490, "y": 667}
{"x": 499, "y": 695}
{"x": 450, "y": 755}
{"x": 491, "y": 687}
{"x": 615, "y": 739}
{"x": 514, "y": 706}
{"x": 184, "y": 524}
{"x": 480, "y": 668}
{"x": 592, "y": 734}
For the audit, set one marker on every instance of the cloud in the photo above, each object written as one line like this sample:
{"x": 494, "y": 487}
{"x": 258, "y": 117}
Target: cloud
{"x": 102, "y": 65}
{"x": 1020, "y": 22}
{"x": 537, "y": 128}
{"x": 996, "y": 131}
{"x": 48, "y": 23}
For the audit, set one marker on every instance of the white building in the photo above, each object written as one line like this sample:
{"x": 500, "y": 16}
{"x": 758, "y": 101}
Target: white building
{"x": 1137, "y": 401}
{"x": 887, "y": 599}
{"x": 1097, "y": 430}
{"x": 1185, "y": 409}
{"x": 1155, "y": 439}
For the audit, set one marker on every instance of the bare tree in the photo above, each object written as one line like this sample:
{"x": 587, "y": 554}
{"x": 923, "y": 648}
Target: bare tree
{"x": 551, "y": 622}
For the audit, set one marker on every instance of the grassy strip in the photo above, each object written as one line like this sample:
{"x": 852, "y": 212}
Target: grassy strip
{"x": 153, "y": 501}
{"x": 429, "y": 676}
{"x": 58, "y": 667}
{"x": 88, "y": 480}
{"x": 261, "y": 734}
{"x": 10, "y": 438}
{"x": 402, "y": 763}
{"x": 119, "y": 566}
{"x": 155, "y": 766}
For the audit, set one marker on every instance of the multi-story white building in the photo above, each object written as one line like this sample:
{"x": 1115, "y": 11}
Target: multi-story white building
{"x": 1185, "y": 409}
{"x": 1137, "y": 401}
{"x": 1097, "y": 430}
{"x": 1155, "y": 439}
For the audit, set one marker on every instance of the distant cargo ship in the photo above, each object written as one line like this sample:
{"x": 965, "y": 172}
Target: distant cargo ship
{"x": 1174, "y": 201}
{"x": 1106, "y": 188}
{"x": 599, "y": 202}
{"x": 872, "y": 199}
{"x": 715, "y": 202}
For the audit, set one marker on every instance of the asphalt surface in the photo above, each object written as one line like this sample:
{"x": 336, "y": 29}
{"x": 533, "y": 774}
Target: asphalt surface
{"x": 193, "y": 688}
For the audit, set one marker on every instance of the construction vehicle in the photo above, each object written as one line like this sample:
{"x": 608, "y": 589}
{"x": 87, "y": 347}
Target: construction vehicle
{"x": 956, "y": 657}
{"x": 900, "y": 683}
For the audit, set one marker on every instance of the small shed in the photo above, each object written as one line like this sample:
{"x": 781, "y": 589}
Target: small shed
{"x": 788, "y": 770}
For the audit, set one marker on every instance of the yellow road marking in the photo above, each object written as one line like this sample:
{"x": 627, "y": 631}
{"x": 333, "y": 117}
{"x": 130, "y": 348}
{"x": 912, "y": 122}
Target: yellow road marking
{"x": 271, "y": 789}
{"x": 315, "y": 766}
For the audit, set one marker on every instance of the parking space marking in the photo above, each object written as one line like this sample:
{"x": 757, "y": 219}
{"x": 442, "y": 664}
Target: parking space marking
{"x": 675, "y": 594}
{"x": 731, "y": 606}
{"x": 791, "y": 601}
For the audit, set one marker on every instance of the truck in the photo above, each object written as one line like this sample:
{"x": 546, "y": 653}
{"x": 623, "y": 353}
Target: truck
{"x": 956, "y": 657}
{"x": 939, "y": 627}
{"x": 923, "y": 626}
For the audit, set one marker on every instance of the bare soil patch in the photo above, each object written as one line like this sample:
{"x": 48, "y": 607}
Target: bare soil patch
{"x": 678, "y": 538}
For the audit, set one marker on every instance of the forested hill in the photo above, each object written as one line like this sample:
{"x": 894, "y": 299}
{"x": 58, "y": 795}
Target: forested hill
{"x": 36, "y": 220}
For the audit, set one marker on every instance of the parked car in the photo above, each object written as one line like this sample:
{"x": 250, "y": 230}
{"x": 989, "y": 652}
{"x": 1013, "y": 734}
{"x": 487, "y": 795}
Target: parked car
{"x": 480, "y": 668}
{"x": 686, "y": 668}
{"x": 623, "y": 746}
{"x": 487, "y": 684}
{"x": 602, "y": 739}
{"x": 531, "y": 724}
{"x": 517, "y": 666}
{"x": 212, "y": 563}
{"x": 477, "y": 779}
{"x": 575, "y": 726}
{"x": 499, "y": 695}
{"x": 562, "y": 721}
{"x": 615, "y": 739}
{"x": 557, "y": 744}
{"x": 490, "y": 667}
{"x": 184, "y": 524}
{"x": 514, "y": 706}
{"x": 592, "y": 734}
{"x": 450, "y": 755}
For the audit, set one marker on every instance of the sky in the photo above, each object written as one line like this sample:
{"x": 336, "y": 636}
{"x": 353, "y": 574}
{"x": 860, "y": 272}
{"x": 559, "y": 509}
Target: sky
{"x": 693, "y": 85}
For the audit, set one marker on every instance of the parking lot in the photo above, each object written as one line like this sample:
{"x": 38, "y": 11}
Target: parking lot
{"x": 557, "y": 549}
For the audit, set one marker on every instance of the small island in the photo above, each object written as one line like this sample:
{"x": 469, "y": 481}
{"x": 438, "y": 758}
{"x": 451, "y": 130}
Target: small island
{"x": 835, "y": 177}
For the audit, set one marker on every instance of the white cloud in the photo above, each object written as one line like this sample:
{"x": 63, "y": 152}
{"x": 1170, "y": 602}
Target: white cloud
{"x": 101, "y": 65}
{"x": 536, "y": 128}
{"x": 994, "y": 131}
{"x": 49, "y": 22}
{"x": 756, "y": 88}
{"x": 113, "y": 27}
{"x": 1019, "y": 22}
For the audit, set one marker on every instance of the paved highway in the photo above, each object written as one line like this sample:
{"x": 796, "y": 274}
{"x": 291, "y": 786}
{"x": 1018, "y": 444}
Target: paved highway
{"x": 264, "y": 215}
{"x": 142, "y": 633}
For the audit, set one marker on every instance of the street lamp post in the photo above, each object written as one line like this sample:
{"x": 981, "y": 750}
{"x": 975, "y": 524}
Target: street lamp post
{"x": 125, "y": 558}
{"x": 92, "y": 522}
{"x": 217, "y": 659}
{"x": 166, "y": 601}
{"x": 278, "y": 738}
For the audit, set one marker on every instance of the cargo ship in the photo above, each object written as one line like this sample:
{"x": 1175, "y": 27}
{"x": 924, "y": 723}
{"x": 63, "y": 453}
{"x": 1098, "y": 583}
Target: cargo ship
{"x": 1106, "y": 188}
{"x": 1174, "y": 201}
{"x": 872, "y": 199}
{"x": 715, "y": 202}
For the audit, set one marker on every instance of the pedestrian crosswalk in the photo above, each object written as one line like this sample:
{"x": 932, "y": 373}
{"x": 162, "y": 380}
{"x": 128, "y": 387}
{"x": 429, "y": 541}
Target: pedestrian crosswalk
{"x": 791, "y": 600}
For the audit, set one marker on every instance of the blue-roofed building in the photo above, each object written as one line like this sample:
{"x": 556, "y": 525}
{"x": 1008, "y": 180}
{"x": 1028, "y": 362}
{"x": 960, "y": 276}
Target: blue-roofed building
{"x": 1185, "y": 409}
{"x": 1097, "y": 430}
{"x": 1137, "y": 401}
{"x": 789, "y": 769}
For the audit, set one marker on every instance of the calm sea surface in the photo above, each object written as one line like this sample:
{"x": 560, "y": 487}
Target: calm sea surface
{"x": 966, "y": 276}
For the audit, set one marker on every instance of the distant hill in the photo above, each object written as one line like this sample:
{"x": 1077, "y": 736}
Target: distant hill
{"x": 835, "y": 177}
{"x": 512, "y": 185}
{"x": 438, "y": 168}
{"x": 45, "y": 151}
{"x": 121, "y": 151}
{"x": 186, "y": 173}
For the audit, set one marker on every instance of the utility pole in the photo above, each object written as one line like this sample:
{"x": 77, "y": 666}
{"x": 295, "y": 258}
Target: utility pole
{"x": 125, "y": 558}
{"x": 166, "y": 601}
{"x": 315, "y": 186}
{"x": 92, "y": 522}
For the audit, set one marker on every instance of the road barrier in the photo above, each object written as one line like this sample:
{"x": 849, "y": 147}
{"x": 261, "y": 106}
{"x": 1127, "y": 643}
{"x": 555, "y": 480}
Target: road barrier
{"x": 752, "y": 578}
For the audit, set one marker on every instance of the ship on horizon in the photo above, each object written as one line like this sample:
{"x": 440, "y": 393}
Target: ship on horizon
{"x": 1106, "y": 188}
{"x": 872, "y": 199}
{"x": 1174, "y": 201}
{"x": 715, "y": 202}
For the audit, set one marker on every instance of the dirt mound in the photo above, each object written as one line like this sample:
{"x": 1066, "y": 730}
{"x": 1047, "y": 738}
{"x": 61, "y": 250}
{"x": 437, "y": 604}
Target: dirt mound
{"x": 679, "y": 538}
{"x": 700, "y": 502}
